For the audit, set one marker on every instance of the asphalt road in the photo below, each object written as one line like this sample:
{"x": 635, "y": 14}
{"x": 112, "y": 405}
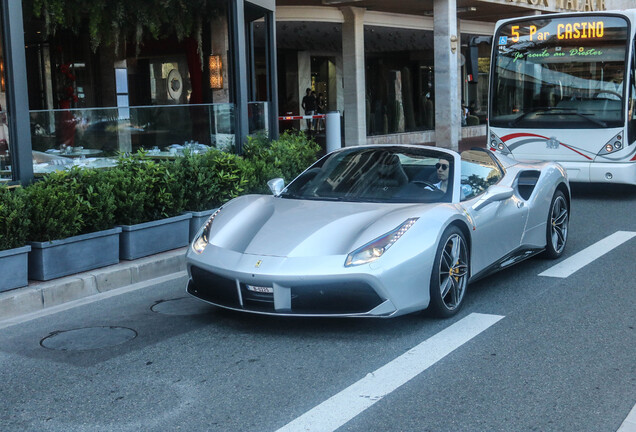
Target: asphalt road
{"x": 561, "y": 358}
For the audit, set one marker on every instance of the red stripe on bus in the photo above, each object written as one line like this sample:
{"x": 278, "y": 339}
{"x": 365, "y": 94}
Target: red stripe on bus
{"x": 519, "y": 135}
{"x": 576, "y": 151}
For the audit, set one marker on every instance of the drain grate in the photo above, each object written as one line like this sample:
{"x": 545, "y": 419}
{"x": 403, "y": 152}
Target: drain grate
{"x": 88, "y": 338}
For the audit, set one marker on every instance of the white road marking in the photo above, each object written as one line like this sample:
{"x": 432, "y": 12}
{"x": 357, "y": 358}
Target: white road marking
{"x": 344, "y": 406}
{"x": 576, "y": 262}
{"x": 629, "y": 425}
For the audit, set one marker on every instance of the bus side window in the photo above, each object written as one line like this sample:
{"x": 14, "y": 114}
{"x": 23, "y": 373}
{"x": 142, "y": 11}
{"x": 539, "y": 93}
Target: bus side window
{"x": 631, "y": 113}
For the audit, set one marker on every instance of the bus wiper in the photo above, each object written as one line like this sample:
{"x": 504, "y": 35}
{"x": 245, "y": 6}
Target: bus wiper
{"x": 585, "y": 116}
{"x": 534, "y": 111}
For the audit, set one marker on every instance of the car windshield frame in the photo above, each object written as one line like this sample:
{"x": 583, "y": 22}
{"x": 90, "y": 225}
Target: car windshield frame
{"x": 377, "y": 174}
{"x": 557, "y": 80}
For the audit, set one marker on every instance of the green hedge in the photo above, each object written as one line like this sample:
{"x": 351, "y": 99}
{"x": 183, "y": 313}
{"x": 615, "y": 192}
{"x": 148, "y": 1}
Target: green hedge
{"x": 68, "y": 203}
{"x": 14, "y": 220}
{"x": 139, "y": 189}
{"x": 210, "y": 179}
{"x": 286, "y": 157}
{"x": 145, "y": 189}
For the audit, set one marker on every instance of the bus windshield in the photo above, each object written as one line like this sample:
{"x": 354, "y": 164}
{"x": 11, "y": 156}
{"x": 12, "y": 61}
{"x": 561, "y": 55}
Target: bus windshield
{"x": 561, "y": 72}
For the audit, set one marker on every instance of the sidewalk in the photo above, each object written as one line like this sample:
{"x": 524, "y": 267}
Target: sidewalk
{"x": 38, "y": 296}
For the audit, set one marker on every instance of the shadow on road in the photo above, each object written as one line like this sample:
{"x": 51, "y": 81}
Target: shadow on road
{"x": 603, "y": 191}
{"x": 323, "y": 328}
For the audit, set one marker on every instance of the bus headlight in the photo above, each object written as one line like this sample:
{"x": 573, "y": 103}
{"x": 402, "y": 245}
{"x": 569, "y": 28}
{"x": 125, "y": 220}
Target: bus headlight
{"x": 496, "y": 144}
{"x": 613, "y": 145}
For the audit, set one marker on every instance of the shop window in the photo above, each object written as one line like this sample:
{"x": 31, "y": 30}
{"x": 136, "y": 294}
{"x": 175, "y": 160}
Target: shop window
{"x": 400, "y": 80}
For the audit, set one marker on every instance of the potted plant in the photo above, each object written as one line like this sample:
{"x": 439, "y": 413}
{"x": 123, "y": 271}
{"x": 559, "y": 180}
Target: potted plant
{"x": 14, "y": 225}
{"x": 72, "y": 226}
{"x": 149, "y": 203}
{"x": 208, "y": 180}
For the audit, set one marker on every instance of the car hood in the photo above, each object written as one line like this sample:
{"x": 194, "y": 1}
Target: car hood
{"x": 271, "y": 226}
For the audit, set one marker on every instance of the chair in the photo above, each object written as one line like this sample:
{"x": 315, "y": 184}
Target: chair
{"x": 472, "y": 120}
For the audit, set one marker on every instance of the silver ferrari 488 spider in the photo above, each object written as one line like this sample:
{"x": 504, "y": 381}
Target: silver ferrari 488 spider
{"x": 379, "y": 231}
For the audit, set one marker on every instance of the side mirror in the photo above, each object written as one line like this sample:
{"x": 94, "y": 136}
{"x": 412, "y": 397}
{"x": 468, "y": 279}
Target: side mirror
{"x": 276, "y": 185}
{"x": 493, "y": 194}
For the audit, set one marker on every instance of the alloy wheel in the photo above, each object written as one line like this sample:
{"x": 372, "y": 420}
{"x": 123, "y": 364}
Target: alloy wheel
{"x": 453, "y": 272}
{"x": 559, "y": 224}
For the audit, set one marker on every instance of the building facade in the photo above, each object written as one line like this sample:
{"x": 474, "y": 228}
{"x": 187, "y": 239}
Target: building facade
{"x": 121, "y": 76}
{"x": 398, "y": 70}
{"x": 77, "y": 88}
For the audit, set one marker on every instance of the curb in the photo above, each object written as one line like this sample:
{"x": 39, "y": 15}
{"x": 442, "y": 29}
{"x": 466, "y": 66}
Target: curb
{"x": 38, "y": 296}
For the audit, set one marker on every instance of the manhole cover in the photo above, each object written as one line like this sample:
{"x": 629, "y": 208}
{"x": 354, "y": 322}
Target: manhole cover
{"x": 88, "y": 338}
{"x": 181, "y": 306}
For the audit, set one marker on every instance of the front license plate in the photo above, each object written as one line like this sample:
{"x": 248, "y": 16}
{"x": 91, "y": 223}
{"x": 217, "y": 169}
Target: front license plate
{"x": 261, "y": 289}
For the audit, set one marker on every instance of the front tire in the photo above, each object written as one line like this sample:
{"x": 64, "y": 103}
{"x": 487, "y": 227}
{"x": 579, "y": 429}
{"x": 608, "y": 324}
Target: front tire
{"x": 557, "y": 229}
{"x": 449, "y": 278}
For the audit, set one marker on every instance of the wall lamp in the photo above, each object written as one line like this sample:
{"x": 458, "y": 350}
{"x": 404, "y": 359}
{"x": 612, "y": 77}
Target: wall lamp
{"x": 216, "y": 72}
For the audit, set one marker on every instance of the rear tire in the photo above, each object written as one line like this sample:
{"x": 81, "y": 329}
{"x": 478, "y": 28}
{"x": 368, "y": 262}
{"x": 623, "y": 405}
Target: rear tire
{"x": 557, "y": 229}
{"x": 449, "y": 277}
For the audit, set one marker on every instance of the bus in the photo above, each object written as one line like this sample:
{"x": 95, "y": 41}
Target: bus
{"x": 562, "y": 88}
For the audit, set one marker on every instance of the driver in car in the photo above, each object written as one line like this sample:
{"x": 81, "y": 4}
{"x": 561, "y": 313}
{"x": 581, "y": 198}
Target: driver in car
{"x": 442, "y": 167}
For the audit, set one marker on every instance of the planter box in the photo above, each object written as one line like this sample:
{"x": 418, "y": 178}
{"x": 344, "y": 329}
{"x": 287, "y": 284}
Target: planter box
{"x": 13, "y": 268}
{"x": 149, "y": 238}
{"x": 57, "y": 258}
{"x": 197, "y": 221}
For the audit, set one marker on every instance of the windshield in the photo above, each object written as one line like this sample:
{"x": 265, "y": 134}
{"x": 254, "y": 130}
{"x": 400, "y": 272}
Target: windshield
{"x": 377, "y": 174}
{"x": 560, "y": 73}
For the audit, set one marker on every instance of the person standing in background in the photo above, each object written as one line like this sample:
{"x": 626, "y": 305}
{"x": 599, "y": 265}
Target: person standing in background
{"x": 309, "y": 106}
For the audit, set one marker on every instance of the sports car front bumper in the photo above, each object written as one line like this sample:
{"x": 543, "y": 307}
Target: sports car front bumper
{"x": 334, "y": 298}
{"x": 303, "y": 286}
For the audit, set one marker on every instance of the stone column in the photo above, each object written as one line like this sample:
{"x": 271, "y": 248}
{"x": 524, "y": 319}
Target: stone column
{"x": 339, "y": 84}
{"x": 446, "y": 45}
{"x": 354, "y": 77}
{"x": 304, "y": 82}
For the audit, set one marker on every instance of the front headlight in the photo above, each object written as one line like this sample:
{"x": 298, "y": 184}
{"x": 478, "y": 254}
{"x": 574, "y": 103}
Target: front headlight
{"x": 203, "y": 239}
{"x": 376, "y": 248}
{"x": 615, "y": 144}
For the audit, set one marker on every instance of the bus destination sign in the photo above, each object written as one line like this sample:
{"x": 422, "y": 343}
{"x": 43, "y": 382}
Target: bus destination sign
{"x": 583, "y": 29}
